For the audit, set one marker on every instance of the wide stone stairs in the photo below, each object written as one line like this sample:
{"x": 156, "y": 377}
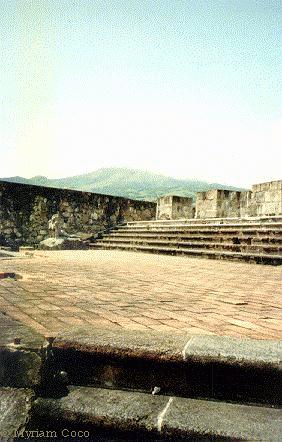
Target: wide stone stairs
{"x": 252, "y": 239}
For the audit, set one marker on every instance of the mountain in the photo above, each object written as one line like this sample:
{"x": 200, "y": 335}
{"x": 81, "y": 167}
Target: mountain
{"x": 129, "y": 183}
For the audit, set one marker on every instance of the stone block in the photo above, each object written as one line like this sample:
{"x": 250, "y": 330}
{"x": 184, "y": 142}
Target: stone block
{"x": 62, "y": 244}
{"x": 15, "y": 407}
{"x": 205, "y": 420}
{"x": 134, "y": 344}
{"x": 120, "y": 411}
{"x": 19, "y": 368}
{"x": 158, "y": 417}
{"x": 235, "y": 351}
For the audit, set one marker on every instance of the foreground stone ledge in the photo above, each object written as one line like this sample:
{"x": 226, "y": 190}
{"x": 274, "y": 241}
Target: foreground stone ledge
{"x": 235, "y": 351}
{"x": 162, "y": 416}
{"x": 15, "y": 407}
{"x": 126, "y": 343}
{"x": 219, "y": 368}
{"x": 172, "y": 347}
{"x": 223, "y": 420}
{"x": 120, "y": 410}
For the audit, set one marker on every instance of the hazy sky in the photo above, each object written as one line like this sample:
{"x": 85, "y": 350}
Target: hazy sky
{"x": 190, "y": 89}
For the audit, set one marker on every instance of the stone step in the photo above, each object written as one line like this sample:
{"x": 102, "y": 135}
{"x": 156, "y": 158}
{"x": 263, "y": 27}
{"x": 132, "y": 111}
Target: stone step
{"x": 248, "y": 220}
{"x": 273, "y": 259}
{"x": 201, "y": 237}
{"x": 213, "y": 367}
{"x": 99, "y": 414}
{"x": 201, "y": 228}
{"x": 156, "y": 224}
{"x": 146, "y": 386}
{"x": 207, "y": 244}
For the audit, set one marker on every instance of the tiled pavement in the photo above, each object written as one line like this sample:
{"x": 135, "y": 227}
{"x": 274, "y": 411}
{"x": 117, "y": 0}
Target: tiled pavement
{"x": 139, "y": 291}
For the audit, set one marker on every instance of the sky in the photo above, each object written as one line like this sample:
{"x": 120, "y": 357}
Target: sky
{"x": 189, "y": 89}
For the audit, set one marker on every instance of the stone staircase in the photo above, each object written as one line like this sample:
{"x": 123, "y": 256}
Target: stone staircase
{"x": 103, "y": 384}
{"x": 249, "y": 239}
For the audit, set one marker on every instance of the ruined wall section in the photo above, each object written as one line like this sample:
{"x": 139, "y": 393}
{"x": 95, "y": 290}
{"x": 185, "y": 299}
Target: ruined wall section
{"x": 174, "y": 207}
{"x": 228, "y": 204}
{"x": 263, "y": 199}
{"x": 25, "y": 211}
{"x": 267, "y": 198}
{"x": 219, "y": 203}
{"x": 207, "y": 204}
{"x": 164, "y": 207}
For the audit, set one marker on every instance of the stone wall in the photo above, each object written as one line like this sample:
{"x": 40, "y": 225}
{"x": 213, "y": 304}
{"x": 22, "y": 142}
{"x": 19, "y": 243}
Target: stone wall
{"x": 267, "y": 198}
{"x": 219, "y": 203}
{"x": 174, "y": 207}
{"x": 228, "y": 204}
{"x": 206, "y": 204}
{"x": 263, "y": 199}
{"x": 25, "y": 211}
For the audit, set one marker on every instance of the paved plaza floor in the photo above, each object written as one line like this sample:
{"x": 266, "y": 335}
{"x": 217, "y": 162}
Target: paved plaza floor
{"x": 131, "y": 290}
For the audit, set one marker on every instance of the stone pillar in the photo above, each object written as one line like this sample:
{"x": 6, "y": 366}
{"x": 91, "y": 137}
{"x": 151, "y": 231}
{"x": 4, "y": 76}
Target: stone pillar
{"x": 174, "y": 207}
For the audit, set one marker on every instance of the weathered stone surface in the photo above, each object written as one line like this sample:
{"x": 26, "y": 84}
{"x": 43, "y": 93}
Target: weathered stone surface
{"x": 218, "y": 203}
{"x": 234, "y": 350}
{"x": 190, "y": 418}
{"x": 62, "y": 244}
{"x": 201, "y": 366}
{"x": 11, "y": 329}
{"x": 264, "y": 199}
{"x": 161, "y": 416}
{"x": 15, "y": 406}
{"x": 20, "y": 364}
{"x": 25, "y": 212}
{"x": 267, "y": 198}
{"x": 128, "y": 343}
{"x": 174, "y": 207}
{"x": 19, "y": 368}
{"x": 119, "y": 410}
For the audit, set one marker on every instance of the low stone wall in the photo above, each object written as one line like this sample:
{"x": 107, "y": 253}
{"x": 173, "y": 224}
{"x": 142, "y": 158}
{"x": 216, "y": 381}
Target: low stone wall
{"x": 263, "y": 199}
{"x": 25, "y": 211}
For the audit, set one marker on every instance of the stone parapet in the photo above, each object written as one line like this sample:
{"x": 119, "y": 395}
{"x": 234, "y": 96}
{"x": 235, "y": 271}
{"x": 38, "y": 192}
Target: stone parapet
{"x": 174, "y": 207}
{"x": 267, "y": 198}
{"x": 263, "y": 200}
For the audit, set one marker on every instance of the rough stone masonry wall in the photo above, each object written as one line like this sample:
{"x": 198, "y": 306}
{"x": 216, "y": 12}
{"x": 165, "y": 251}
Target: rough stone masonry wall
{"x": 206, "y": 204}
{"x": 26, "y": 209}
{"x": 174, "y": 207}
{"x": 267, "y": 198}
{"x": 263, "y": 199}
{"x": 218, "y": 204}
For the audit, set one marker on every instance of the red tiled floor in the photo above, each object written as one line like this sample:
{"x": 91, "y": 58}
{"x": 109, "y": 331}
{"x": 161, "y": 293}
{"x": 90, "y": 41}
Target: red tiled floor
{"x": 137, "y": 291}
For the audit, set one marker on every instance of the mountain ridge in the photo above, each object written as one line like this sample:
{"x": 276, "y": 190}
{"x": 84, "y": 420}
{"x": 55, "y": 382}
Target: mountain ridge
{"x": 125, "y": 182}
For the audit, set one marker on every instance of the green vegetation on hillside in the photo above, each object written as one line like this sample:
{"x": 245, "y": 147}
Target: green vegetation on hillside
{"x": 129, "y": 183}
